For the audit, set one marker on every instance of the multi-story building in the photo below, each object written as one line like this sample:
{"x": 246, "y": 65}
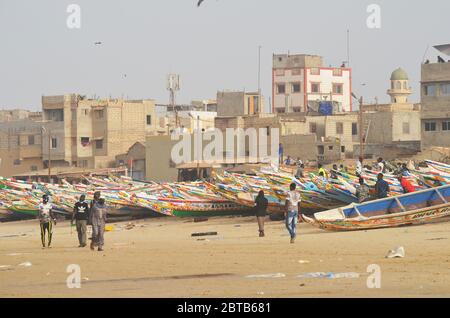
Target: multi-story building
{"x": 301, "y": 81}
{"x": 20, "y": 147}
{"x": 435, "y": 92}
{"x": 91, "y": 133}
{"x": 18, "y": 114}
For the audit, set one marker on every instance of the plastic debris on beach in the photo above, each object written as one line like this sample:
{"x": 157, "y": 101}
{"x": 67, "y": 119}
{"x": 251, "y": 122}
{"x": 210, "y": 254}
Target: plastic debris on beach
{"x": 303, "y": 262}
{"x": 398, "y": 252}
{"x": 260, "y": 293}
{"x": 276, "y": 275}
{"x": 329, "y": 275}
{"x": 26, "y": 264}
{"x": 5, "y": 267}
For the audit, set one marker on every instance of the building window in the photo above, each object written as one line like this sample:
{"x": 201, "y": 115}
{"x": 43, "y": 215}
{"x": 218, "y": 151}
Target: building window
{"x": 338, "y": 89}
{"x": 330, "y": 148}
{"x": 406, "y": 128}
{"x": 280, "y": 110}
{"x": 99, "y": 114}
{"x": 85, "y": 141}
{"x": 296, "y": 72}
{"x": 149, "y": 120}
{"x": 99, "y": 144}
{"x": 343, "y": 149}
{"x": 320, "y": 150}
{"x": 297, "y": 109}
{"x": 445, "y": 89}
{"x": 31, "y": 140}
{"x": 446, "y": 126}
{"x": 86, "y": 112}
{"x": 17, "y": 162}
{"x": 296, "y": 88}
{"x": 315, "y": 87}
{"x": 312, "y": 128}
{"x": 339, "y": 128}
{"x": 430, "y": 126}
{"x": 281, "y": 88}
{"x": 337, "y": 72}
{"x": 354, "y": 129}
{"x": 34, "y": 168}
{"x": 430, "y": 90}
{"x": 279, "y": 72}
{"x": 315, "y": 71}
{"x": 54, "y": 143}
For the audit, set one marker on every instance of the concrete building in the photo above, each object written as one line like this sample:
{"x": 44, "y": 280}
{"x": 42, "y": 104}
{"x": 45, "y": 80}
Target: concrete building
{"x": 435, "y": 101}
{"x": 187, "y": 121}
{"x": 231, "y": 104}
{"x": 300, "y": 81}
{"x": 91, "y": 133}
{"x": 19, "y": 114}
{"x": 134, "y": 161}
{"x": 20, "y": 147}
{"x": 393, "y": 130}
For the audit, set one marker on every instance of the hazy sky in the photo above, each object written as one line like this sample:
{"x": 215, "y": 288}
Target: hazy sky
{"x": 213, "y": 47}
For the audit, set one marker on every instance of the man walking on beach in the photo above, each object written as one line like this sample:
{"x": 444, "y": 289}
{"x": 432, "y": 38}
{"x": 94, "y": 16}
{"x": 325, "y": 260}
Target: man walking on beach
{"x": 261, "y": 204}
{"x": 293, "y": 201}
{"x": 97, "y": 196}
{"x": 381, "y": 187}
{"x": 98, "y": 215}
{"x": 46, "y": 220}
{"x": 81, "y": 215}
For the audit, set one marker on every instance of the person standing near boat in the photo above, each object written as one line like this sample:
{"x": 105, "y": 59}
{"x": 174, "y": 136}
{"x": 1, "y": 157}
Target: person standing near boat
{"x": 81, "y": 215}
{"x": 97, "y": 196}
{"x": 98, "y": 215}
{"x": 261, "y": 203}
{"x": 323, "y": 171}
{"x": 381, "y": 187}
{"x": 291, "y": 214}
{"x": 406, "y": 184}
{"x": 362, "y": 191}
{"x": 359, "y": 167}
{"x": 46, "y": 220}
{"x": 300, "y": 171}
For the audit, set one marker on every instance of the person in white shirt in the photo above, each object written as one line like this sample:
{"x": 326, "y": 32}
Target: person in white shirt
{"x": 359, "y": 167}
{"x": 46, "y": 220}
{"x": 293, "y": 201}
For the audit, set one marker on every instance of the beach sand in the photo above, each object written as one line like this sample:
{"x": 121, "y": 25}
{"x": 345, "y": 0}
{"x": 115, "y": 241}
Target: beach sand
{"x": 159, "y": 258}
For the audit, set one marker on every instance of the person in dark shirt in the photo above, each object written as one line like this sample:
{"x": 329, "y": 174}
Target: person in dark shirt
{"x": 81, "y": 216}
{"x": 261, "y": 203}
{"x": 381, "y": 187}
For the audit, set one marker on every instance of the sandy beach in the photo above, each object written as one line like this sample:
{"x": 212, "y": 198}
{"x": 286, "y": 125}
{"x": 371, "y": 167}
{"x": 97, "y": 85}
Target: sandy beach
{"x": 159, "y": 258}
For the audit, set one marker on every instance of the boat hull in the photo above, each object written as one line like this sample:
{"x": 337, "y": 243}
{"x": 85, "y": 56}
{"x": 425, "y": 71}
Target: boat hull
{"x": 394, "y": 220}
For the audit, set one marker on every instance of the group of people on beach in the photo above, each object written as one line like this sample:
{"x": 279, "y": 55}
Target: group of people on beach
{"x": 84, "y": 214}
{"x": 291, "y": 214}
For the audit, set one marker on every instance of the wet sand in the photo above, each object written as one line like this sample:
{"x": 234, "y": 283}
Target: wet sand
{"x": 159, "y": 258}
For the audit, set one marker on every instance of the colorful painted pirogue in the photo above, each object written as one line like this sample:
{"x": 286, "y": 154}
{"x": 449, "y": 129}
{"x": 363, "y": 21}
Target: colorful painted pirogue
{"x": 413, "y": 208}
{"x": 230, "y": 193}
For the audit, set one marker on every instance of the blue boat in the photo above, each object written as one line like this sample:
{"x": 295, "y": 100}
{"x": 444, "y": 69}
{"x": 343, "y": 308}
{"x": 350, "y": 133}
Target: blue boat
{"x": 413, "y": 208}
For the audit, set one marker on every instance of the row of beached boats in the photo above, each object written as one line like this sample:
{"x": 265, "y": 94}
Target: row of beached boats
{"x": 330, "y": 204}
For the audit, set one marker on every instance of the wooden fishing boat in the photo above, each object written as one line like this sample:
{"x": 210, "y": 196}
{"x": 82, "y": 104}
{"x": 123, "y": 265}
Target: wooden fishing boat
{"x": 414, "y": 208}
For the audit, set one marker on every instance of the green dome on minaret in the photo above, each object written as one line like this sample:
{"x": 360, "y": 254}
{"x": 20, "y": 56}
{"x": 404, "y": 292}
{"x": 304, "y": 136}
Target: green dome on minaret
{"x": 399, "y": 75}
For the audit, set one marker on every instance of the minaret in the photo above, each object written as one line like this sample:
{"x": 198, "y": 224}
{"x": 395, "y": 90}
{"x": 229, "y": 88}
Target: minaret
{"x": 400, "y": 89}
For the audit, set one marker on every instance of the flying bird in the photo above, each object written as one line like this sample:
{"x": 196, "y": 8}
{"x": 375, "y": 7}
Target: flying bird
{"x": 98, "y": 43}
{"x": 200, "y": 3}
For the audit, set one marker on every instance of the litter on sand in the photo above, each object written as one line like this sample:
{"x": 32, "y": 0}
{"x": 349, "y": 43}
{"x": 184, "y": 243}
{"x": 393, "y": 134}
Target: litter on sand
{"x": 277, "y": 275}
{"x": 398, "y": 252}
{"x": 303, "y": 262}
{"x": 204, "y": 234}
{"x": 5, "y": 266}
{"x": 26, "y": 264}
{"x": 329, "y": 275}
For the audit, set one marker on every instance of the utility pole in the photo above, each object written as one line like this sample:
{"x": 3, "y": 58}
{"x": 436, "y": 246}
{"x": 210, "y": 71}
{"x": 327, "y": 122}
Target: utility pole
{"x": 259, "y": 79}
{"x": 49, "y": 157}
{"x": 361, "y": 133}
{"x": 199, "y": 146}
